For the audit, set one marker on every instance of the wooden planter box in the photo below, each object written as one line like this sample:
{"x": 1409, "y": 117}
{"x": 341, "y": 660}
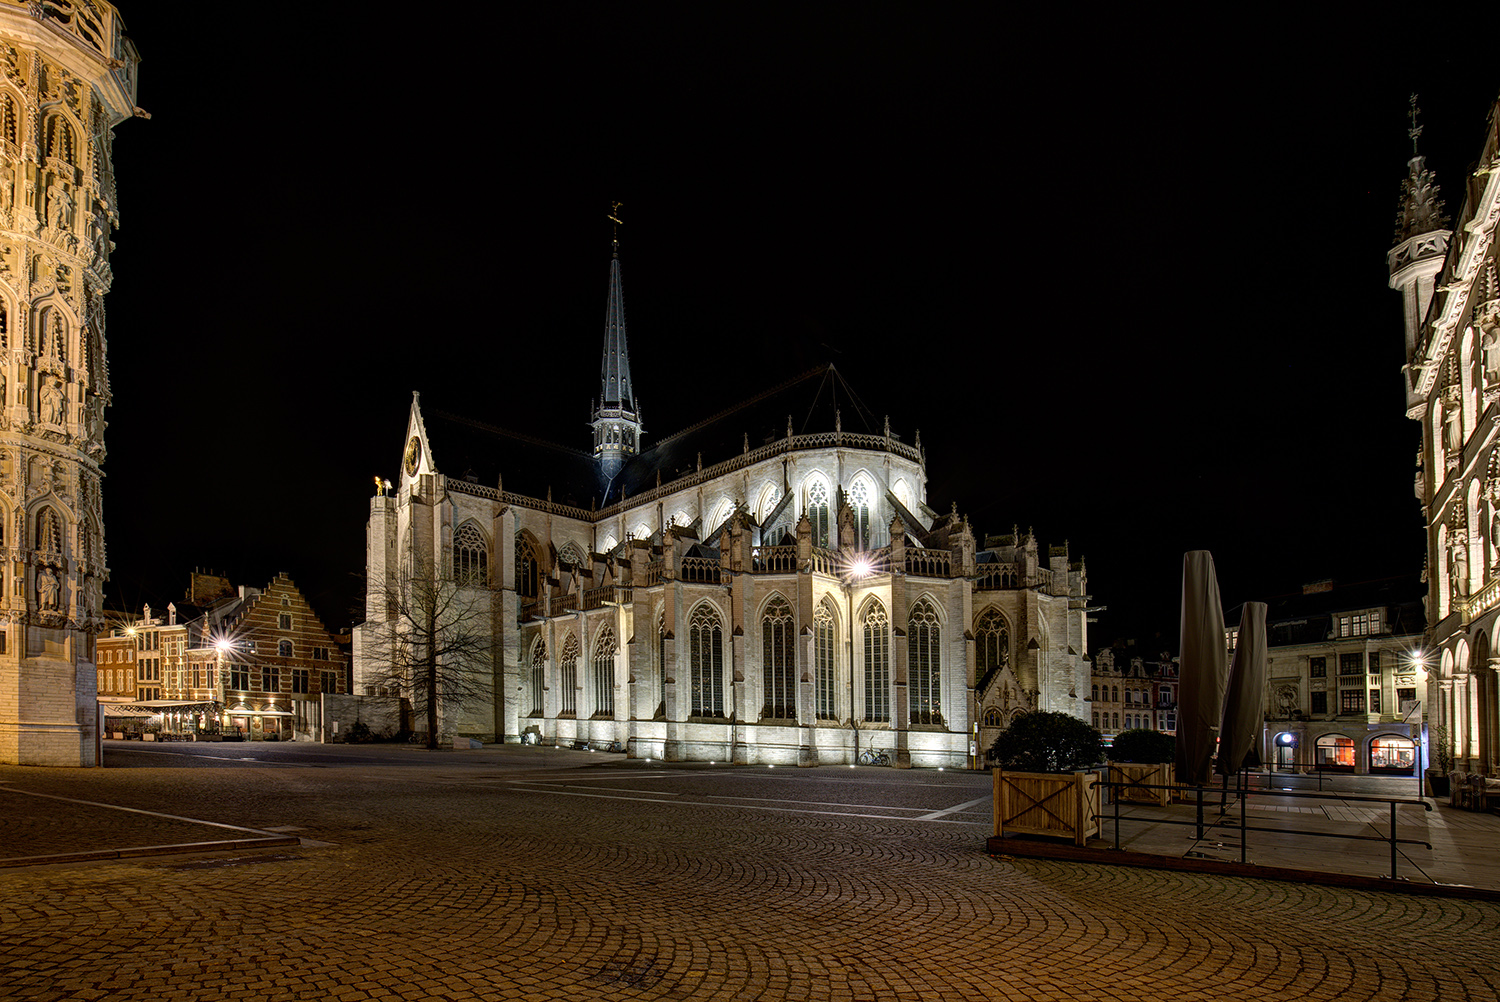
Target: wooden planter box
{"x": 1146, "y": 774}
{"x": 1047, "y": 803}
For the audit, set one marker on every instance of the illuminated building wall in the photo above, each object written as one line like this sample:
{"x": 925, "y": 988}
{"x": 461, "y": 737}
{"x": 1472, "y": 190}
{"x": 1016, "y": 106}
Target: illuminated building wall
{"x": 1446, "y": 272}
{"x": 67, "y": 77}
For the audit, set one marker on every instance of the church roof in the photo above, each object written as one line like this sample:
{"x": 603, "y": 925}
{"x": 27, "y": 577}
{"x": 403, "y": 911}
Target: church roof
{"x": 818, "y": 400}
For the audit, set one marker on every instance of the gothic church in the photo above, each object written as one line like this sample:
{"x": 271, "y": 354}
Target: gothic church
{"x": 765, "y": 586}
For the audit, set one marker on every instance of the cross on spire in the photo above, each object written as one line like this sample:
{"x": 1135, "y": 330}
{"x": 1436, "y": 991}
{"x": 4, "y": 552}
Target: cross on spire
{"x": 1415, "y": 130}
{"x": 614, "y": 217}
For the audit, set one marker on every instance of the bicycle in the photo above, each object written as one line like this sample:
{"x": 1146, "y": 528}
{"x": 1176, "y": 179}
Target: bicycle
{"x": 871, "y": 756}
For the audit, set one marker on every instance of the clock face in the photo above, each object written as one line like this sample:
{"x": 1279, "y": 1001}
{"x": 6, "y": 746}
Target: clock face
{"x": 413, "y": 456}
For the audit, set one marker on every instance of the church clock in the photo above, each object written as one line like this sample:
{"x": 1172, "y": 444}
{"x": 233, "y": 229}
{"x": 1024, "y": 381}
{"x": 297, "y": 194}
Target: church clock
{"x": 413, "y": 456}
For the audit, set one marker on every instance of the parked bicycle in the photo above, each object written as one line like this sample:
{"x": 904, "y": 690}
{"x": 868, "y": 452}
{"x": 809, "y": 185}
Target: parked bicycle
{"x": 873, "y": 756}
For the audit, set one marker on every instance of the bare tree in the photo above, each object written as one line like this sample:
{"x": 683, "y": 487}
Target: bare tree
{"x": 435, "y": 645}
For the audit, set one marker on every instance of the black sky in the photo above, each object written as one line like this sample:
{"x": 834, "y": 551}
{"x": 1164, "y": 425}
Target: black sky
{"x": 1128, "y": 282}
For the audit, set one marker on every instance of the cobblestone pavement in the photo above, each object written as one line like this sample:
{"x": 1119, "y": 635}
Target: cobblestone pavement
{"x": 528, "y": 873}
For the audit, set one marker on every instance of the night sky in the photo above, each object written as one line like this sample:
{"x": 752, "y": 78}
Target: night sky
{"x": 1131, "y": 286}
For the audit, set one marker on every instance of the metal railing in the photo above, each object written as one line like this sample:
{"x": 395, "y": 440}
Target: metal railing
{"x": 1243, "y": 794}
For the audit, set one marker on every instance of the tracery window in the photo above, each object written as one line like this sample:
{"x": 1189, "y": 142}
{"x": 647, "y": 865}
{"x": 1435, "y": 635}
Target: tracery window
{"x": 877, "y": 649}
{"x": 706, "y": 662}
{"x": 778, "y": 661}
{"x": 571, "y": 555}
{"x": 567, "y": 668}
{"x": 923, "y": 658}
{"x": 661, "y": 662}
{"x": 604, "y": 673}
{"x": 859, "y": 500}
{"x": 538, "y": 674}
{"x": 471, "y": 556}
{"x": 526, "y": 568}
{"x": 992, "y": 645}
{"x": 817, "y": 512}
{"x": 823, "y": 663}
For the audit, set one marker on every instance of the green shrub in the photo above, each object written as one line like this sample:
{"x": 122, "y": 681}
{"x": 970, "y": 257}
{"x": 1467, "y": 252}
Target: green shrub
{"x": 1046, "y": 742}
{"x": 1142, "y": 745}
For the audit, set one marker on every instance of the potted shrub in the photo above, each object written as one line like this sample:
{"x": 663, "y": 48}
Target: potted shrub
{"x": 1141, "y": 759}
{"x": 1442, "y": 762}
{"x": 1040, "y": 787}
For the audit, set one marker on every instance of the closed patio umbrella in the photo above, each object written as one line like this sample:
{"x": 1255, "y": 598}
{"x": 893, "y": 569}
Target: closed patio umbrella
{"x": 1202, "y": 668}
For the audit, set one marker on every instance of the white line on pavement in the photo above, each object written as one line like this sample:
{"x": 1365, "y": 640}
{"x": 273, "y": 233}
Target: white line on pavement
{"x": 954, "y": 810}
{"x": 753, "y": 807}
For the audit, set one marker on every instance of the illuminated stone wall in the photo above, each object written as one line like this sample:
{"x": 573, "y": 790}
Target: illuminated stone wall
{"x": 67, "y": 77}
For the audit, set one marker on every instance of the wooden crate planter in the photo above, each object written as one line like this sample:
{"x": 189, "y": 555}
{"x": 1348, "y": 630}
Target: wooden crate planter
{"x": 1138, "y": 776}
{"x": 1047, "y": 803}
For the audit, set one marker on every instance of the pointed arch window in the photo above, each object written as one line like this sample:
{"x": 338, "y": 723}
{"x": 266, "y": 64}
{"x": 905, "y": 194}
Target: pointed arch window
{"x": 471, "y": 556}
{"x": 61, "y": 144}
{"x": 706, "y": 662}
{"x": 527, "y": 576}
{"x": 923, "y": 664}
{"x": 877, "y": 651}
{"x": 859, "y": 501}
{"x": 991, "y": 644}
{"x": 817, "y": 512}
{"x": 571, "y": 555}
{"x": 604, "y": 673}
{"x": 538, "y": 675}
{"x": 778, "y": 664}
{"x": 661, "y": 664}
{"x": 823, "y": 663}
{"x": 567, "y": 668}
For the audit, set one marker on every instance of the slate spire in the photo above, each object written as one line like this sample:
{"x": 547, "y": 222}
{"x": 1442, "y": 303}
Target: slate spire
{"x": 616, "y": 420}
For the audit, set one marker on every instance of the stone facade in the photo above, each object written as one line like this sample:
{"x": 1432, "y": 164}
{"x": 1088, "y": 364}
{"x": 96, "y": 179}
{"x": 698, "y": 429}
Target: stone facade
{"x": 1127, "y": 691}
{"x": 1449, "y": 279}
{"x": 1346, "y": 680}
{"x": 794, "y": 602}
{"x": 250, "y": 662}
{"x": 67, "y": 76}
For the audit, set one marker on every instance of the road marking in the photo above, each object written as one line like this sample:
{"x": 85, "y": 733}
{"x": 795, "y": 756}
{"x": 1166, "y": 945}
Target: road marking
{"x": 814, "y": 803}
{"x": 574, "y": 786}
{"x": 137, "y": 810}
{"x": 756, "y": 807}
{"x": 954, "y": 810}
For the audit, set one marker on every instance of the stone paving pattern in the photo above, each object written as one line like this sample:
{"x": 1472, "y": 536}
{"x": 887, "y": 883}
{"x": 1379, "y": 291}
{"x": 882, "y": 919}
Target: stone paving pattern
{"x": 512, "y": 875}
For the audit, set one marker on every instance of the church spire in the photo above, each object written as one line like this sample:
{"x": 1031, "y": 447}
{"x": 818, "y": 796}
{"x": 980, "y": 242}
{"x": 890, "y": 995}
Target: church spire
{"x": 616, "y": 421}
{"x": 1421, "y": 208}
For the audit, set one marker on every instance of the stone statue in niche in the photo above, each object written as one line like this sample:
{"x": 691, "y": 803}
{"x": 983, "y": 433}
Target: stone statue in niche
{"x": 56, "y": 337}
{"x": 47, "y": 591}
{"x": 1453, "y": 433}
{"x": 59, "y": 206}
{"x": 7, "y": 185}
{"x": 1460, "y": 565}
{"x": 52, "y": 403}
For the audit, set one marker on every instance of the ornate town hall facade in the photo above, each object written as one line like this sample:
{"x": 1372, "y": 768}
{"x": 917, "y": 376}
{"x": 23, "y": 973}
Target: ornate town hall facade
{"x": 67, "y": 76}
{"x": 765, "y": 586}
{"x": 1450, "y": 287}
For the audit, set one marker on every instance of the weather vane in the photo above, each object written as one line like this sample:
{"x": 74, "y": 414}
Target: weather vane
{"x": 614, "y": 217}
{"x": 1415, "y": 130}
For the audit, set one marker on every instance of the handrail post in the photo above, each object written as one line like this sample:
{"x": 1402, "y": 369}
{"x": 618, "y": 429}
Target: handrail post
{"x": 1114, "y": 795}
{"x": 1393, "y": 840}
{"x": 1243, "y": 834}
